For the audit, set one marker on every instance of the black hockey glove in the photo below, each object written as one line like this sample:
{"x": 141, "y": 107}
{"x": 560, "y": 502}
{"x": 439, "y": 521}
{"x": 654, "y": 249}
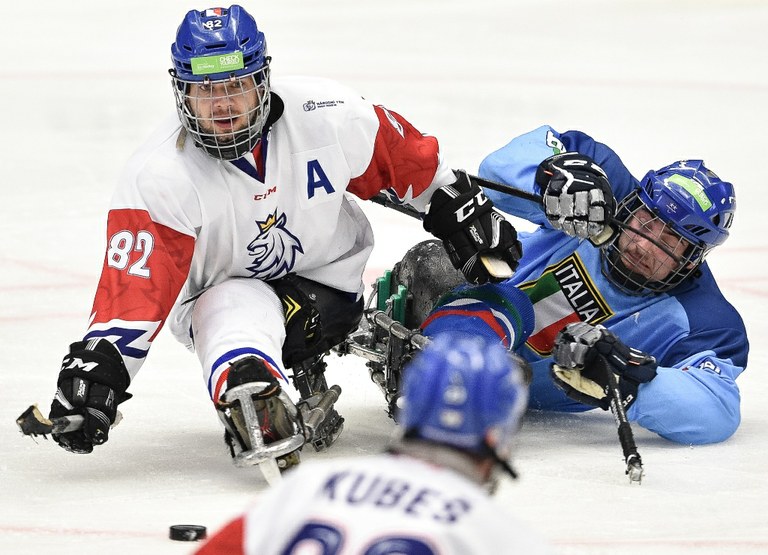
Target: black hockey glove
{"x": 470, "y": 227}
{"x": 577, "y": 196}
{"x": 583, "y": 357}
{"x": 92, "y": 382}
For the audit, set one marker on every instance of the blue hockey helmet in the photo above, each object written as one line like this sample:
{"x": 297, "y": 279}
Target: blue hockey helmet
{"x": 221, "y": 46}
{"x": 693, "y": 202}
{"x": 217, "y": 43}
{"x": 465, "y": 392}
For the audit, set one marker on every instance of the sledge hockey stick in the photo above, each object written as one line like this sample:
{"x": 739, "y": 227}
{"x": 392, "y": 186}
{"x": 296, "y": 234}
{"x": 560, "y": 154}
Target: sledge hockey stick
{"x": 511, "y": 191}
{"x": 626, "y": 437}
{"x": 507, "y": 189}
{"x": 597, "y": 240}
{"x": 383, "y": 200}
{"x": 33, "y": 423}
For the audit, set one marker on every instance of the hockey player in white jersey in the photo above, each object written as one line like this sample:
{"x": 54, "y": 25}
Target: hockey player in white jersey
{"x": 463, "y": 400}
{"x": 235, "y": 224}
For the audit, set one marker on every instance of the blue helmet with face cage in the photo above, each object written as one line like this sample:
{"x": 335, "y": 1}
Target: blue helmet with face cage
{"x": 693, "y": 202}
{"x": 217, "y": 43}
{"x": 221, "y": 45}
{"x": 464, "y": 392}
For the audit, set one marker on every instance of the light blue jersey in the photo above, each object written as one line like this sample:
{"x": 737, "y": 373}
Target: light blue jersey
{"x": 697, "y": 337}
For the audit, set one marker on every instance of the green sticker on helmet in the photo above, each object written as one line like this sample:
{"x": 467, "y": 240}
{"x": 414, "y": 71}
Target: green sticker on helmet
{"x": 694, "y": 188}
{"x": 220, "y": 63}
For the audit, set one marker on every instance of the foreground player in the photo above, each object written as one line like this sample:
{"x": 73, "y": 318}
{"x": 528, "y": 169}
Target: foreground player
{"x": 237, "y": 215}
{"x": 641, "y": 303}
{"x": 464, "y": 398}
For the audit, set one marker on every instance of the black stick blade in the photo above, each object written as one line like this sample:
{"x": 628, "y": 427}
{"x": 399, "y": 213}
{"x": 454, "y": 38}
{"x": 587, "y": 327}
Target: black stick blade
{"x": 33, "y": 423}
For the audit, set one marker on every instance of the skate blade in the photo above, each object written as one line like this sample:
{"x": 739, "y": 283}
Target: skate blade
{"x": 270, "y": 471}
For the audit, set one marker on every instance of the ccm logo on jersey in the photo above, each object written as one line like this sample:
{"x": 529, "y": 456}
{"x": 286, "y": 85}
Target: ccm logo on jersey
{"x": 705, "y": 365}
{"x": 709, "y": 365}
{"x": 262, "y": 196}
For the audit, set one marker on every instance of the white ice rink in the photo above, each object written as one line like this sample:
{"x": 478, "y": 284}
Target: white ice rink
{"x": 84, "y": 82}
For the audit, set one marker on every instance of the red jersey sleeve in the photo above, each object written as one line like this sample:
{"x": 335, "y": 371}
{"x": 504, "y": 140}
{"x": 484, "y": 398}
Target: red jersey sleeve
{"x": 404, "y": 160}
{"x": 227, "y": 541}
{"x": 145, "y": 266}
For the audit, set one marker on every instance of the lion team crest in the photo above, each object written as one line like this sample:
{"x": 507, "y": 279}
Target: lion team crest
{"x": 274, "y": 249}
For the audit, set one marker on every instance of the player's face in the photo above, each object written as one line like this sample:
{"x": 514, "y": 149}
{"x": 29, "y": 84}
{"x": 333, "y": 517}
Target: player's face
{"x": 224, "y": 108}
{"x": 645, "y": 257}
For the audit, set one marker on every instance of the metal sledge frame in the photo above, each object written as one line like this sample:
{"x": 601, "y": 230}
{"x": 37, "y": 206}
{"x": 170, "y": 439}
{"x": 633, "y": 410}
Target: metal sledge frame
{"x": 387, "y": 344}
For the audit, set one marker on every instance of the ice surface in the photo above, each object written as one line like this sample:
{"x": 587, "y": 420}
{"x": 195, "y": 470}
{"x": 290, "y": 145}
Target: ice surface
{"x": 83, "y": 83}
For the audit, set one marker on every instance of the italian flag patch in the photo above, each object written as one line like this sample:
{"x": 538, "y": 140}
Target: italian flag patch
{"x": 563, "y": 294}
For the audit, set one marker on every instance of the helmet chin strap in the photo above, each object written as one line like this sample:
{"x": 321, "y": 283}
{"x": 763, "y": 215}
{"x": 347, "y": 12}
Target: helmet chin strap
{"x": 241, "y": 144}
{"x": 505, "y": 466}
{"x": 229, "y": 151}
{"x": 237, "y": 143}
{"x": 637, "y": 284}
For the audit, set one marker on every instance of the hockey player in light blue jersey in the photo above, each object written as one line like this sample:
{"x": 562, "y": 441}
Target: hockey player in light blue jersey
{"x": 613, "y": 279}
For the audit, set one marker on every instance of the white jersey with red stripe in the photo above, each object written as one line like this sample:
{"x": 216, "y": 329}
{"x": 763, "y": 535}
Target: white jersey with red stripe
{"x": 181, "y": 221}
{"x": 374, "y": 504}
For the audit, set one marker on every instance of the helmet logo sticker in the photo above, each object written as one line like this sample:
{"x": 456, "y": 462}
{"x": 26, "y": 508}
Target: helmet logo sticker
{"x": 671, "y": 207}
{"x": 694, "y": 188}
{"x": 454, "y": 397}
{"x": 212, "y": 24}
{"x": 217, "y": 64}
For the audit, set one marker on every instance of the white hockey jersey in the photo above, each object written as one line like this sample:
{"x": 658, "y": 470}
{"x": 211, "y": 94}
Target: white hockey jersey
{"x": 181, "y": 221}
{"x": 374, "y": 504}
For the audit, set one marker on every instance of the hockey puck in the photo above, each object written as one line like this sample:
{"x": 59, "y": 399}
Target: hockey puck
{"x": 187, "y": 532}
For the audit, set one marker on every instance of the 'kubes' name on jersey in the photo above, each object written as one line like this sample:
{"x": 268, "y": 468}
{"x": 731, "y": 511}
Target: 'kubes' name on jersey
{"x": 563, "y": 294}
{"x": 388, "y": 493}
